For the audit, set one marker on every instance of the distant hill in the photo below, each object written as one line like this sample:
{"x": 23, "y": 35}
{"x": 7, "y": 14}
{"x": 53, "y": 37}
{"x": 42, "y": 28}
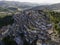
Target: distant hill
{"x": 26, "y": 5}
{"x": 22, "y": 5}
{"x": 55, "y": 6}
{"x": 50, "y": 7}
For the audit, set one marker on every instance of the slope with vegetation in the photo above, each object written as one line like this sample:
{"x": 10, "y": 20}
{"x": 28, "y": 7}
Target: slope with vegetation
{"x": 55, "y": 19}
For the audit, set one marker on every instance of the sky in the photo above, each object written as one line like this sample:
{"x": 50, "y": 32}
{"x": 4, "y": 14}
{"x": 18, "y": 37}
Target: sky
{"x": 37, "y": 1}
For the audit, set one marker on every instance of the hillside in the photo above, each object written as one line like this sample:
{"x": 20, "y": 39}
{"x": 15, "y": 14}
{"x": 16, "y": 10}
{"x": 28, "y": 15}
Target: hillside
{"x": 35, "y": 25}
{"x": 31, "y": 27}
{"x": 25, "y": 5}
{"x": 49, "y": 7}
{"x": 21, "y": 5}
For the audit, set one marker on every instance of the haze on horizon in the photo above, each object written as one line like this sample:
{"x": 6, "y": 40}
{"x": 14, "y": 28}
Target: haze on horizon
{"x": 37, "y": 1}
